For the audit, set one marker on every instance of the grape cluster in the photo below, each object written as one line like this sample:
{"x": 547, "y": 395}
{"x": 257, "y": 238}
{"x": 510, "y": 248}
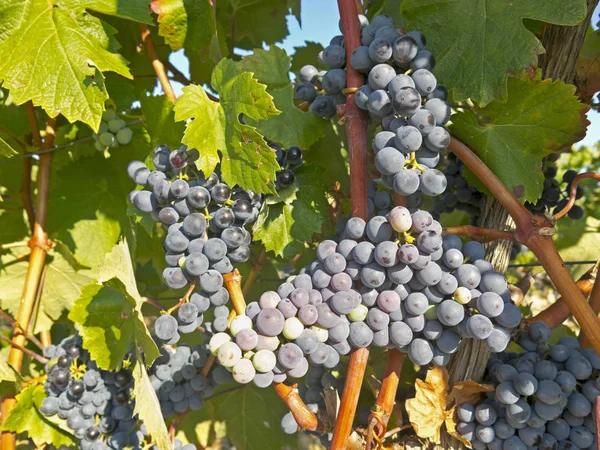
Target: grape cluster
{"x": 112, "y": 132}
{"x": 177, "y": 378}
{"x": 206, "y": 234}
{"x": 393, "y": 282}
{"x": 556, "y": 193}
{"x": 288, "y": 160}
{"x": 543, "y": 397}
{"x": 459, "y": 194}
{"x": 95, "y": 403}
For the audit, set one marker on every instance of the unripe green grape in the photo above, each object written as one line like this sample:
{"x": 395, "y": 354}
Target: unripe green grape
{"x": 293, "y": 328}
{"x": 462, "y": 295}
{"x": 431, "y": 313}
{"x": 95, "y": 136}
{"x": 124, "y": 136}
{"x": 322, "y": 333}
{"x": 109, "y": 115}
{"x": 269, "y": 342}
{"x": 229, "y": 354}
{"x": 99, "y": 146}
{"x": 239, "y": 323}
{"x": 358, "y": 314}
{"x": 243, "y": 372}
{"x": 216, "y": 341}
{"x": 264, "y": 360}
{"x": 115, "y": 125}
{"x": 108, "y": 139}
{"x": 103, "y": 127}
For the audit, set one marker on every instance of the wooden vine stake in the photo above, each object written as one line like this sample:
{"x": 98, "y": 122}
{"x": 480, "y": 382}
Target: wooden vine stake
{"x": 356, "y": 133}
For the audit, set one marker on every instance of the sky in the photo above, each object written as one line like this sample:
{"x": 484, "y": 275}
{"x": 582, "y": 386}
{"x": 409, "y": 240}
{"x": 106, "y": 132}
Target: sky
{"x": 320, "y": 23}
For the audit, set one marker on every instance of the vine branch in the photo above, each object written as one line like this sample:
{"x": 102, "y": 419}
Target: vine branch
{"x": 34, "y": 355}
{"x": 356, "y": 133}
{"x": 30, "y": 337}
{"x": 159, "y": 67}
{"x": 535, "y": 232}
{"x": 481, "y": 234}
{"x": 256, "y": 268}
{"x": 37, "y": 260}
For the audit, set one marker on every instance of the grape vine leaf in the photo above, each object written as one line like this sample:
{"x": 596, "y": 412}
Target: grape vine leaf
{"x": 185, "y": 23}
{"x": 26, "y": 418}
{"x": 282, "y": 224}
{"x": 247, "y": 159}
{"x": 475, "y": 60}
{"x": 160, "y": 121}
{"x": 147, "y": 405}
{"x": 539, "y": 118}
{"x": 57, "y": 52}
{"x": 293, "y": 127}
{"x": 13, "y": 225}
{"x": 249, "y": 416}
{"x": 109, "y": 313}
{"x": 64, "y": 280}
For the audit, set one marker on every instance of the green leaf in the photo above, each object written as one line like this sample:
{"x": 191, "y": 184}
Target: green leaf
{"x": 160, "y": 121}
{"x": 147, "y": 405}
{"x": 293, "y": 127}
{"x": 188, "y": 23}
{"x": 247, "y": 159}
{"x": 6, "y": 151}
{"x": 26, "y": 418}
{"x": 478, "y": 43}
{"x": 270, "y": 67}
{"x": 249, "y": 416}
{"x": 246, "y": 15}
{"x": 7, "y": 372}
{"x": 55, "y": 60}
{"x": 109, "y": 313}
{"x": 63, "y": 282}
{"x": 539, "y": 118}
{"x": 331, "y": 155}
{"x": 120, "y": 91}
{"x": 282, "y": 224}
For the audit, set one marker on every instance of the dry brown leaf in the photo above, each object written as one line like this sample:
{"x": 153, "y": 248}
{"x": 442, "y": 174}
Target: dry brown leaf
{"x": 426, "y": 412}
{"x": 467, "y": 392}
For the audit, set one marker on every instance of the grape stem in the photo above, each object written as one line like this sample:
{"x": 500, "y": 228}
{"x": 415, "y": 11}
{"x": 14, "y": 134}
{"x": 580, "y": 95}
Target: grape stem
{"x": 256, "y": 268}
{"x": 356, "y": 134}
{"x": 37, "y": 258}
{"x": 481, "y": 234}
{"x": 184, "y": 299}
{"x": 34, "y": 355}
{"x": 386, "y": 398}
{"x": 24, "y": 243}
{"x": 573, "y": 193}
{"x": 535, "y": 232}
{"x": 157, "y": 64}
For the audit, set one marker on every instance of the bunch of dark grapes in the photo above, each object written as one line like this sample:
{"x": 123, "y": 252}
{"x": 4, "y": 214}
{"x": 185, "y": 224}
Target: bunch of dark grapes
{"x": 379, "y": 203}
{"x": 178, "y": 381}
{"x": 556, "y": 193}
{"x": 464, "y": 197}
{"x": 459, "y": 194}
{"x": 95, "y": 403}
{"x": 288, "y": 160}
{"x": 205, "y": 221}
{"x": 113, "y": 131}
{"x": 393, "y": 282}
{"x": 543, "y": 397}
{"x": 412, "y": 108}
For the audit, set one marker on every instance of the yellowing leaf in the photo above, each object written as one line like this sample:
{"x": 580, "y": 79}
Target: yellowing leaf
{"x": 428, "y": 411}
